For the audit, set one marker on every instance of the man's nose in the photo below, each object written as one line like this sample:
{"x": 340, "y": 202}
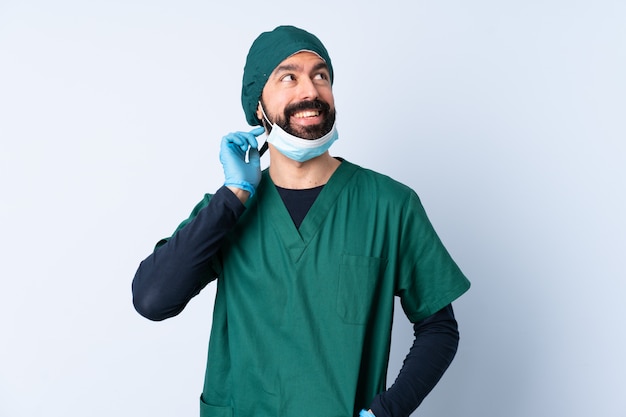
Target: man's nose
{"x": 307, "y": 90}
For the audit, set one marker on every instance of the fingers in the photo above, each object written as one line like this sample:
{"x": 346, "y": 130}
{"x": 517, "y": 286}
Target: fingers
{"x": 244, "y": 140}
{"x": 236, "y": 140}
{"x": 258, "y": 131}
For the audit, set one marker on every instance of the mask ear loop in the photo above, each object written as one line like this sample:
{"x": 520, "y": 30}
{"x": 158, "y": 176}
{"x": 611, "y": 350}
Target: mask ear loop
{"x": 265, "y": 145}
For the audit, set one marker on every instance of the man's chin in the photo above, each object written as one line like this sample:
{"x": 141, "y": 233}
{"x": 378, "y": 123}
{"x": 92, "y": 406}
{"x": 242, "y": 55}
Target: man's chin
{"x": 306, "y": 133}
{"x": 309, "y": 132}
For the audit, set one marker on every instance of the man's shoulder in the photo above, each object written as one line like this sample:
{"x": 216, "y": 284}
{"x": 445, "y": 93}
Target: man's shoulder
{"x": 382, "y": 184}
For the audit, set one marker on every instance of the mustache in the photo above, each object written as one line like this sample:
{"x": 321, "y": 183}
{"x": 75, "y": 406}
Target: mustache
{"x": 307, "y": 105}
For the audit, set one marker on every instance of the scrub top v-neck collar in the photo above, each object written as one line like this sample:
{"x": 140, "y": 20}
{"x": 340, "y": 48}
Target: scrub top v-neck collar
{"x": 296, "y": 240}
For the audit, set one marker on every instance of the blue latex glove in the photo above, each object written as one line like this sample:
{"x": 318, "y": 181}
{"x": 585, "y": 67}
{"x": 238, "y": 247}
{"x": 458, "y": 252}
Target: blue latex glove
{"x": 238, "y": 172}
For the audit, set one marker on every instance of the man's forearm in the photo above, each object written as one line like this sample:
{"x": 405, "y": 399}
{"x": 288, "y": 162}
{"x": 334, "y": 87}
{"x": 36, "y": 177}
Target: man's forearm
{"x": 179, "y": 268}
{"x": 434, "y": 347}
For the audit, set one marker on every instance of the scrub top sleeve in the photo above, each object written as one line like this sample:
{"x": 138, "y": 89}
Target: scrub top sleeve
{"x": 429, "y": 279}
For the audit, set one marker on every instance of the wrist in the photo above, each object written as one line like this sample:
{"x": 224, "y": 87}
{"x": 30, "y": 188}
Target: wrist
{"x": 240, "y": 193}
{"x": 240, "y": 183}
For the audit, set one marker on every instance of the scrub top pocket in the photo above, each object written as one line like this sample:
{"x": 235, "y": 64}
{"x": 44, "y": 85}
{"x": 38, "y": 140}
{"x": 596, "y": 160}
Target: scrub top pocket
{"x": 207, "y": 410}
{"x": 358, "y": 283}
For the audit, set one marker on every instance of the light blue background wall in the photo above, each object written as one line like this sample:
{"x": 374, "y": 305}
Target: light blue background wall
{"x": 508, "y": 118}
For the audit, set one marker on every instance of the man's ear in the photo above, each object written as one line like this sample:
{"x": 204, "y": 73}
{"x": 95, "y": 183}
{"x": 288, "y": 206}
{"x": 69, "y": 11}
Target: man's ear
{"x": 259, "y": 112}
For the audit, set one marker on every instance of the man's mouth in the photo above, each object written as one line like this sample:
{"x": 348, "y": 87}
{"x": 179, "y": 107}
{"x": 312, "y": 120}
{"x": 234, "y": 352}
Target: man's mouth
{"x": 306, "y": 113}
{"x": 308, "y": 119}
{"x": 307, "y": 110}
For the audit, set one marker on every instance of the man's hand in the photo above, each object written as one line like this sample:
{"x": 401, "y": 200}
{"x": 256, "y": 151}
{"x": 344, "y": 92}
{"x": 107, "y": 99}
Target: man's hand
{"x": 241, "y": 176}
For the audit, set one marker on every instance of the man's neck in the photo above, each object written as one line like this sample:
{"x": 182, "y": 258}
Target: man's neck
{"x": 287, "y": 173}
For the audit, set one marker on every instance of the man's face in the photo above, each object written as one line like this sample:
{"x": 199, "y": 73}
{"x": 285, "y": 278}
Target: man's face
{"x": 298, "y": 96}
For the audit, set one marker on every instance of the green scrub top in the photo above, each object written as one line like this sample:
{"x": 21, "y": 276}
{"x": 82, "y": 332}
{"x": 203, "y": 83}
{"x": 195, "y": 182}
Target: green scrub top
{"x": 302, "y": 318}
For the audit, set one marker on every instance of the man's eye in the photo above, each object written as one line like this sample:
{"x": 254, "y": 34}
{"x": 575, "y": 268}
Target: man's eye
{"x": 321, "y": 76}
{"x": 288, "y": 77}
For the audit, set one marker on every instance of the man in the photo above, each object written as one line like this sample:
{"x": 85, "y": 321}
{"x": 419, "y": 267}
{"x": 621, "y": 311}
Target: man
{"x": 308, "y": 256}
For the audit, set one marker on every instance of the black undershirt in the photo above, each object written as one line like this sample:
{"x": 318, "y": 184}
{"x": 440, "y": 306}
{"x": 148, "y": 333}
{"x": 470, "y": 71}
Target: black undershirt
{"x": 298, "y": 202}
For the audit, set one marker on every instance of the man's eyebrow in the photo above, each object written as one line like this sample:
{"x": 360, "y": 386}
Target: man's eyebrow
{"x": 294, "y": 67}
{"x": 321, "y": 65}
{"x": 286, "y": 67}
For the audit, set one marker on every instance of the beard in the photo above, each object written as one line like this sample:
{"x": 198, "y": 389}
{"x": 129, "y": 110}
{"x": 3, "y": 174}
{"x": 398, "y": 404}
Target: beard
{"x": 306, "y": 132}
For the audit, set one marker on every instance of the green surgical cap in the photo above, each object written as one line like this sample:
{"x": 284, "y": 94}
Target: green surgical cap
{"x": 266, "y": 52}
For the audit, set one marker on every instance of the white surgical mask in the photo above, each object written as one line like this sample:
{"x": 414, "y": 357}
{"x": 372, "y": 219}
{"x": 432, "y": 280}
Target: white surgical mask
{"x": 299, "y": 149}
